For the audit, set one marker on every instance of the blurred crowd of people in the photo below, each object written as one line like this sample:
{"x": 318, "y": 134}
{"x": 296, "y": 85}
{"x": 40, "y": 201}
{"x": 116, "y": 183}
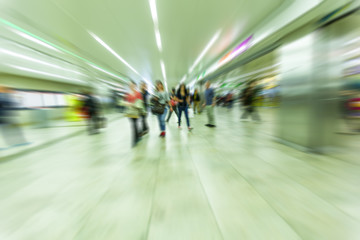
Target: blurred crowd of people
{"x": 162, "y": 104}
{"x": 138, "y": 103}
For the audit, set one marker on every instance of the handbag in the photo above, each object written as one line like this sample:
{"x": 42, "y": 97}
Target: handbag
{"x": 173, "y": 103}
{"x": 157, "y": 107}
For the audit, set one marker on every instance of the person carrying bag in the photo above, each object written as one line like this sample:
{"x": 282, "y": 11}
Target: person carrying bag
{"x": 160, "y": 105}
{"x": 157, "y": 108}
{"x": 135, "y": 107}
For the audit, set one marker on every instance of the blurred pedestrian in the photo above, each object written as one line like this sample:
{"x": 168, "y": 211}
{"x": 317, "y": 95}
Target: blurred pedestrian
{"x": 183, "y": 99}
{"x": 144, "y": 114}
{"x": 162, "y": 101}
{"x": 134, "y": 104}
{"x": 248, "y": 100}
{"x": 196, "y": 100}
{"x": 10, "y": 130}
{"x": 229, "y": 100}
{"x": 174, "y": 104}
{"x": 210, "y": 101}
{"x": 91, "y": 107}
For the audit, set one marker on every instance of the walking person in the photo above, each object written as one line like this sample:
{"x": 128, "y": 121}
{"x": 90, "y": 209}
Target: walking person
{"x": 183, "y": 98}
{"x": 9, "y": 128}
{"x": 162, "y": 98}
{"x": 229, "y": 100}
{"x": 248, "y": 100}
{"x": 134, "y": 105}
{"x": 92, "y": 110}
{"x": 145, "y": 96}
{"x": 196, "y": 100}
{"x": 173, "y": 103}
{"x": 210, "y": 101}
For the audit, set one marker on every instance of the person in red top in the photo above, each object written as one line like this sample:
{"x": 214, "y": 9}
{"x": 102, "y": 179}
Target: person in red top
{"x": 132, "y": 97}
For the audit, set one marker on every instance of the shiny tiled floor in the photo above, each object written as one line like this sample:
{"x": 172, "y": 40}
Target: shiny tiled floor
{"x": 232, "y": 182}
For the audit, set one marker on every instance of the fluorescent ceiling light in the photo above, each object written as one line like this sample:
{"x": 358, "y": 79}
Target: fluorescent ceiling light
{"x": 164, "y": 74}
{"x": 43, "y": 41}
{"x": 154, "y": 11}
{"x": 44, "y": 73}
{"x": 150, "y": 84}
{"x": 37, "y": 61}
{"x": 155, "y": 19}
{"x": 158, "y": 39}
{"x": 206, "y": 49}
{"x": 35, "y": 40}
{"x": 104, "y": 71}
{"x": 242, "y": 47}
{"x": 163, "y": 69}
{"x": 108, "y": 82}
{"x": 113, "y": 52}
{"x": 183, "y": 79}
{"x": 355, "y": 40}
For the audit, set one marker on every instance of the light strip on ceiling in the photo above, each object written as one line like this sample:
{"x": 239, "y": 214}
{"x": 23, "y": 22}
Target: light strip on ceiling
{"x": 163, "y": 69}
{"x": 44, "y": 73}
{"x": 104, "y": 71}
{"x": 107, "y": 47}
{"x": 108, "y": 82}
{"x": 242, "y": 47}
{"x": 35, "y": 40}
{"x": 27, "y": 33}
{"x": 183, "y": 79}
{"x": 155, "y": 19}
{"x": 205, "y": 50}
{"x": 158, "y": 39}
{"x": 37, "y": 61}
{"x": 113, "y": 52}
{"x": 164, "y": 74}
{"x": 153, "y": 10}
{"x": 149, "y": 82}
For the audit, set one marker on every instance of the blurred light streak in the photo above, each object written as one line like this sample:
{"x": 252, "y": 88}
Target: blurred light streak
{"x": 37, "y": 61}
{"x": 107, "y": 47}
{"x": 13, "y": 26}
{"x": 205, "y": 50}
{"x": 44, "y": 73}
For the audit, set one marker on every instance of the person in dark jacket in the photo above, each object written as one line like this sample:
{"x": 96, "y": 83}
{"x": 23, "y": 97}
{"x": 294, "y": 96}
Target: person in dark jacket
{"x": 173, "y": 103}
{"x": 183, "y": 98}
{"x": 92, "y": 109}
{"x": 248, "y": 100}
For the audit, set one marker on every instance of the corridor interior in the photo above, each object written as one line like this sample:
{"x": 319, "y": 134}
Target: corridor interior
{"x": 230, "y": 182}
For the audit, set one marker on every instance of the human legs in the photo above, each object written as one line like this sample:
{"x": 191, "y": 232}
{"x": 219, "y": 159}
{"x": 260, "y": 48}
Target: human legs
{"x": 180, "y": 110}
{"x": 210, "y": 115}
{"x": 196, "y": 107}
{"x": 247, "y": 111}
{"x": 187, "y": 116}
{"x": 135, "y": 134}
{"x": 92, "y": 124}
{"x": 169, "y": 116}
{"x": 255, "y": 115}
{"x": 145, "y": 127}
{"x": 161, "y": 119}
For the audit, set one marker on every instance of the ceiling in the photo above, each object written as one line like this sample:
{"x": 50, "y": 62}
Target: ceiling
{"x": 127, "y": 27}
